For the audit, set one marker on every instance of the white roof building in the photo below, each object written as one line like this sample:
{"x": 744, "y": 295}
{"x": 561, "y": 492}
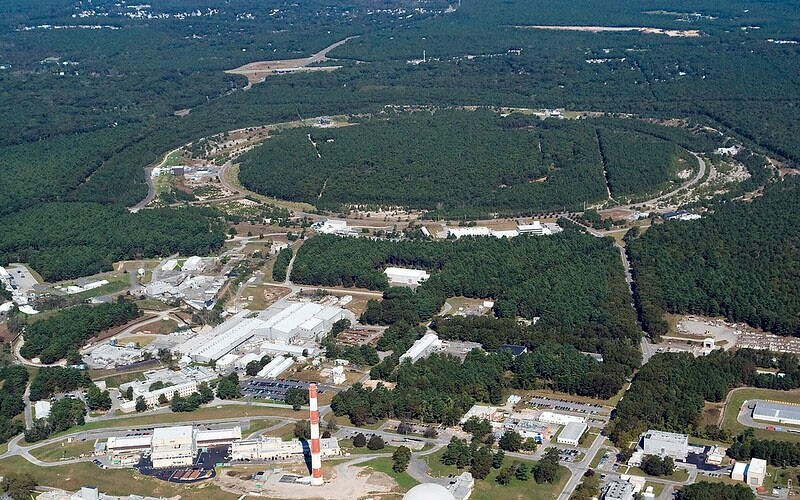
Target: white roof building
{"x": 460, "y": 232}
{"x": 275, "y": 448}
{"x": 550, "y": 417}
{"x": 666, "y": 444}
{"x": 41, "y": 409}
{"x": 756, "y": 472}
{"x": 571, "y": 433}
{"x": 536, "y": 229}
{"x": 422, "y": 347}
{"x": 193, "y": 263}
{"x": 403, "y": 276}
{"x": 739, "y": 470}
{"x": 173, "y": 446}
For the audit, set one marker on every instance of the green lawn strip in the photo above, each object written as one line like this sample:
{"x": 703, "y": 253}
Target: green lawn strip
{"x": 62, "y": 449}
{"x": 121, "y": 482}
{"x": 678, "y": 475}
{"x": 384, "y": 464}
{"x": 599, "y": 456}
{"x": 257, "y": 425}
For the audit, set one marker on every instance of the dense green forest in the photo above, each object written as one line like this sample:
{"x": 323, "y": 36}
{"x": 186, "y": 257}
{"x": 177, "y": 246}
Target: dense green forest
{"x": 741, "y": 262}
{"x": 715, "y": 491}
{"x": 681, "y": 383}
{"x": 14, "y": 379}
{"x": 67, "y": 240}
{"x": 67, "y": 331}
{"x": 51, "y": 380}
{"x": 567, "y": 279}
{"x": 457, "y": 162}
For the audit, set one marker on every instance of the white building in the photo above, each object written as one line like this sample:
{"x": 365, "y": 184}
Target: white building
{"x": 221, "y": 340}
{"x": 536, "y": 229}
{"x": 462, "y": 488}
{"x": 490, "y": 413}
{"x": 337, "y": 375}
{"x": 184, "y": 382}
{"x": 241, "y": 363}
{"x": 333, "y": 226}
{"x": 128, "y": 445}
{"x": 403, "y": 276}
{"x": 193, "y": 264}
{"x": 666, "y": 444}
{"x": 298, "y": 321}
{"x": 571, "y": 433}
{"x": 274, "y": 368}
{"x": 739, "y": 471}
{"x": 41, "y": 409}
{"x": 173, "y": 447}
{"x": 550, "y": 417}
{"x": 217, "y": 437}
{"x": 422, "y": 347}
{"x": 226, "y": 363}
{"x": 756, "y": 472}
{"x": 619, "y": 490}
{"x": 275, "y": 448}
{"x": 779, "y": 413}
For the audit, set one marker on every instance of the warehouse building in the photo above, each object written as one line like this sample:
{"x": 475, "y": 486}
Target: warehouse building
{"x": 619, "y": 490}
{"x": 549, "y": 417}
{"x": 571, "y": 433}
{"x": 41, "y": 409}
{"x": 427, "y": 344}
{"x": 403, "y": 276}
{"x": 221, "y": 340}
{"x": 218, "y": 437}
{"x": 275, "y": 448}
{"x": 173, "y": 447}
{"x": 777, "y": 412}
{"x": 289, "y": 324}
{"x": 666, "y": 444}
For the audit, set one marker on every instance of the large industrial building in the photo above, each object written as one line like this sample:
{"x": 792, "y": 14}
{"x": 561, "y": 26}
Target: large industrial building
{"x": 571, "y": 433}
{"x": 291, "y": 328}
{"x": 777, "y": 412}
{"x": 550, "y": 417}
{"x": 428, "y": 343}
{"x": 275, "y": 448}
{"x": 173, "y": 447}
{"x": 666, "y": 444}
{"x": 403, "y": 276}
{"x": 170, "y": 446}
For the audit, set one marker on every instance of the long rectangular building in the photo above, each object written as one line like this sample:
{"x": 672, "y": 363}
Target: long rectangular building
{"x": 275, "y": 448}
{"x": 777, "y": 412}
{"x": 666, "y": 444}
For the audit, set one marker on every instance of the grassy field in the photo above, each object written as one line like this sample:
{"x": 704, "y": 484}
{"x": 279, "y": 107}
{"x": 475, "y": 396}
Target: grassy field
{"x": 62, "y": 449}
{"x": 677, "y": 475}
{"x": 347, "y": 445}
{"x": 257, "y": 425}
{"x": 737, "y": 399}
{"x": 123, "y": 378}
{"x": 227, "y": 411}
{"x": 404, "y": 481}
{"x": 163, "y": 327}
{"x": 173, "y": 159}
{"x": 489, "y": 489}
{"x": 111, "y": 481}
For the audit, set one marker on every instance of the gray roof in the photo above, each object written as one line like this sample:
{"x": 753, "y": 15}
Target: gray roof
{"x": 776, "y": 410}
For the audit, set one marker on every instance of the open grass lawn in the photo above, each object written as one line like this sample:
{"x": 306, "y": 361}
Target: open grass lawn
{"x": 152, "y": 304}
{"x": 438, "y": 469}
{"x": 62, "y": 449}
{"x": 257, "y": 425}
{"x": 489, "y": 489}
{"x": 737, "y": 399}
{"x": 226, "y": 411}
{"x": 347, "y": 445}
{"x": 123, "y": 378}
{"x": 404, "y": 481}
{"x": 111, "y": 481}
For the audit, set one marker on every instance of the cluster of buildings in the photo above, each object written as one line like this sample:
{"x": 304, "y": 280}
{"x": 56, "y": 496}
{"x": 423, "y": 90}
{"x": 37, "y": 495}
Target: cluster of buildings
{"x": 275, "y": 448}
{"x": 159, "y": 171}
{"x": 538, "y": 425}
{"x": 536, "y": 228}
{"x": 172, "y": 281}
{"x": 681, "y": 215}
{"x": 169, "y": 446}
{"x": 752, "y": 473}
{"x": 334, "y": 226}
{"x": 15, "y": 280}
{"x": 291, "y": 329}
{"x": 162, "y": 385}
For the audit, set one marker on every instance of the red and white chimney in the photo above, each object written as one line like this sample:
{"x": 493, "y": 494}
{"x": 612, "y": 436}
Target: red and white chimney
{"x": 316, "y": 454}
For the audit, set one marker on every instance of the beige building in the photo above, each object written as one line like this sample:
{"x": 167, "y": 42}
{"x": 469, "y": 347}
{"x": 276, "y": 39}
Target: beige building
{"x": 173, "y": 447}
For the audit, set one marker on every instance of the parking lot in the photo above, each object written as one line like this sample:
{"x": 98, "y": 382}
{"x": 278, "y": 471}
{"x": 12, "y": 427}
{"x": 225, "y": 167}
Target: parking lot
{"x": 260, "y": 388}
{"x": 563, "y": 405}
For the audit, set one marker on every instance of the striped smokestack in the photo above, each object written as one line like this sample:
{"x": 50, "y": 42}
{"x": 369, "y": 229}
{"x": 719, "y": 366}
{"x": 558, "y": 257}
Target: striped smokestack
{"x": 316, "y": 455}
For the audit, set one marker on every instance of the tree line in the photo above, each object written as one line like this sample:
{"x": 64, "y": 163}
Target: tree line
{"x": 68, "y": 330}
